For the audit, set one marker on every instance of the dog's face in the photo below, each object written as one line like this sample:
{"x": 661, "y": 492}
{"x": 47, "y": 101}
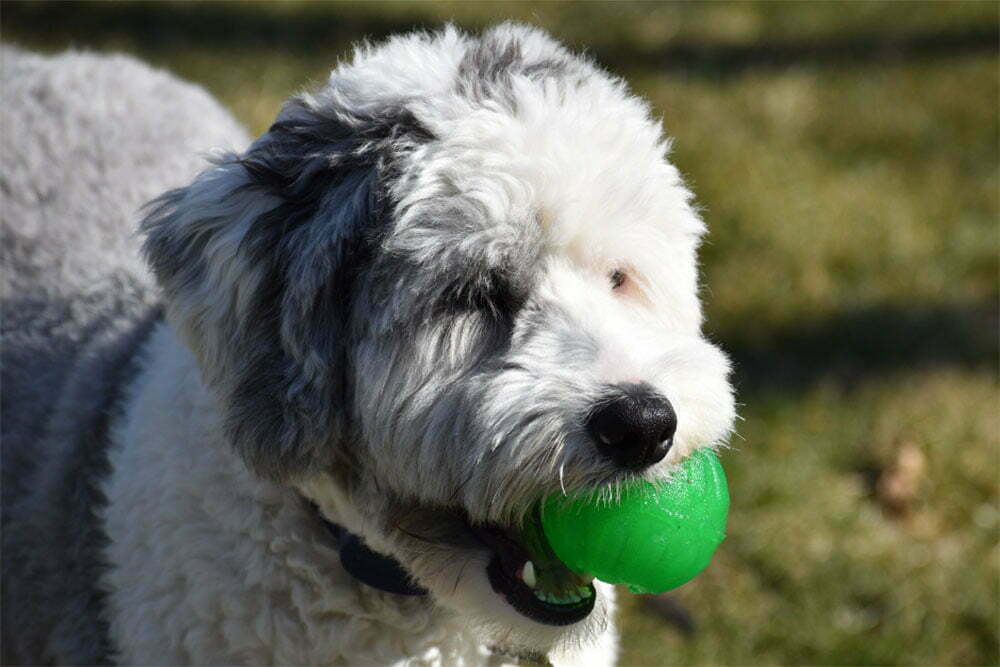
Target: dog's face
{"x": 457, "y": 279}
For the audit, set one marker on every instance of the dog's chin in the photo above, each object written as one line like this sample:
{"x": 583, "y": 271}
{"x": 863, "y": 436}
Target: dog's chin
{"x": 477, "y": 570}
{"x": 507, "y": 616}
{"x": 509, "y": 587}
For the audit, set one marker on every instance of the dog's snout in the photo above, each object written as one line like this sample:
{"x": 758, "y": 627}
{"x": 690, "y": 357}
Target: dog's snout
{"x": 634, "y": 427}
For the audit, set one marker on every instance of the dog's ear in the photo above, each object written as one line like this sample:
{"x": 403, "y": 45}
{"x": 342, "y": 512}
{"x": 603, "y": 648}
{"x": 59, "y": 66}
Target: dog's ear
{"x": 257, "y": 259}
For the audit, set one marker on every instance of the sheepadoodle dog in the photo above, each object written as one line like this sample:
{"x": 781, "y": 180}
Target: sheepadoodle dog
{"x": 300, "y": 409}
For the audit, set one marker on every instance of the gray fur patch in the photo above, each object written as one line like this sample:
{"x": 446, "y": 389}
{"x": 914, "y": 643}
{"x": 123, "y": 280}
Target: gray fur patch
{"x": 487, "y": 70}
{"x": 59, "y": 517}
{"x": 86, "y": 139}
{"x": 302, "y": 212}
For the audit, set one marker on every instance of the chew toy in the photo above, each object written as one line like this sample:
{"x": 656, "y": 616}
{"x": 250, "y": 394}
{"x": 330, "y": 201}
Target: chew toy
{"x": 659, "y": 536}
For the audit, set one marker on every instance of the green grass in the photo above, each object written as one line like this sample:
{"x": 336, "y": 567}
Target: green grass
{"x": 846, "y": 156}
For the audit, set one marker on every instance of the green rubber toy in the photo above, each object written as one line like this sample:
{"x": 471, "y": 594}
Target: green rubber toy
{"x": 658, "y": 537}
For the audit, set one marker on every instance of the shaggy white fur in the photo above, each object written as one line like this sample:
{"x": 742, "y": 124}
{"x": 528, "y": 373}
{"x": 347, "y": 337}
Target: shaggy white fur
{"x": 405, "y": 303}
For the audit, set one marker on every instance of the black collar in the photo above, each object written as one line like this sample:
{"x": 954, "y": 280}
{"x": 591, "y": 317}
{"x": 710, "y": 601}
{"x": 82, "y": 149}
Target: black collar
{"x": 369, "y": 567}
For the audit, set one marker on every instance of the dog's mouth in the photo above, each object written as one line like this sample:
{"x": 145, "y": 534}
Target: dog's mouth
{"x": 530, "y": 577}
{"x": 522, "y": 569}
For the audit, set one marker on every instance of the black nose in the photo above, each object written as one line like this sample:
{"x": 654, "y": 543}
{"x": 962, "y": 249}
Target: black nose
{"x": 634, "y": 426}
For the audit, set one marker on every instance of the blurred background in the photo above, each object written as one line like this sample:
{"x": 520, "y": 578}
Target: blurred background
{"x": 846, "y": 158}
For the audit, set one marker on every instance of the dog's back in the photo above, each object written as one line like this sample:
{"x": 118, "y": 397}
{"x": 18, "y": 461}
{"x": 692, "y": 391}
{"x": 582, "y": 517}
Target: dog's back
{"x": 86, "y": 140}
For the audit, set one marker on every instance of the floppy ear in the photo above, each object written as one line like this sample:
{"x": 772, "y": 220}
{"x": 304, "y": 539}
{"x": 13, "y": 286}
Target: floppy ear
{"x": 257, "y": 259}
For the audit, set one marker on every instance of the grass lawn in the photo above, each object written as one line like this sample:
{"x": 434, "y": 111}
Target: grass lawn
{"x": 846, "y": 157}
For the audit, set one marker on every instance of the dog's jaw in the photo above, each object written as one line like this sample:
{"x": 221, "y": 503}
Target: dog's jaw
{"x": 456, "y": 575}
{"x": 468, "y": 591}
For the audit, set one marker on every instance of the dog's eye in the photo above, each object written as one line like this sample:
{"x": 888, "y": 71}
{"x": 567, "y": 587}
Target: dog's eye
{"x": 617, "y": 278}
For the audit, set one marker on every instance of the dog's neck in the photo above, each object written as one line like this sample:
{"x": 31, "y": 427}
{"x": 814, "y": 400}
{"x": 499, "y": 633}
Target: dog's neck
{"x": 371, "y": 568}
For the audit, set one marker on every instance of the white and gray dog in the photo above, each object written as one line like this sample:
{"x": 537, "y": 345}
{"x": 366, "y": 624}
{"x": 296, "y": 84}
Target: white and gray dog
{"x": 457, "y": 278}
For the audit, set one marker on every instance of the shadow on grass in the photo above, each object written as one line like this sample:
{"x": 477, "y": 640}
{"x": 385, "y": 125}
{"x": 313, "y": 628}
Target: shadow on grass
{"x": 878, "y": 339}
{"x": 319, "y": 27}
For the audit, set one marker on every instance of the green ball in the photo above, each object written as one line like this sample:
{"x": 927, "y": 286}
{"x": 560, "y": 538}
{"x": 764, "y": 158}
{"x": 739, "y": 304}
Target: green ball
{"x": 659, "y": 536}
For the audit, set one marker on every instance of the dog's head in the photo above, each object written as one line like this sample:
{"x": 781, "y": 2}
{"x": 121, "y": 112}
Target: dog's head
{"x": 458, "y": 278}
